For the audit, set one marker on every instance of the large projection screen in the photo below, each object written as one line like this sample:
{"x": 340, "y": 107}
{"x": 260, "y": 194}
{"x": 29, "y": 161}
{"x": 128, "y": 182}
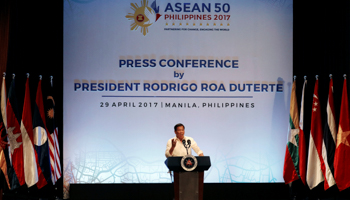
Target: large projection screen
{"x": 134, "y": 69}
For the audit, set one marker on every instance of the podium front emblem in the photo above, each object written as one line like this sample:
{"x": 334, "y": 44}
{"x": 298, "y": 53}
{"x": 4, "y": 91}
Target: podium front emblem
{"x": 189, "y": 163}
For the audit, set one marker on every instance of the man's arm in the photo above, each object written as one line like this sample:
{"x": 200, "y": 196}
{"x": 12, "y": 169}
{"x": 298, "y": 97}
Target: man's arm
{"x": 196, "y": 149}
{"x": 170, "y": 146}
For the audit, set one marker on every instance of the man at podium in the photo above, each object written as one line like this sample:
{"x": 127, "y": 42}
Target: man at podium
{"x": 176, "y": 145}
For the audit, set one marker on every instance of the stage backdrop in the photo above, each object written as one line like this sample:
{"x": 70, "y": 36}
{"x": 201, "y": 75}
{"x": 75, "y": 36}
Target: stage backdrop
{"x": 134, "y": 69}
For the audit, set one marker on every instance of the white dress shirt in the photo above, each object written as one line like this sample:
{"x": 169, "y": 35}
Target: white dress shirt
{"x": 179, "y": 149}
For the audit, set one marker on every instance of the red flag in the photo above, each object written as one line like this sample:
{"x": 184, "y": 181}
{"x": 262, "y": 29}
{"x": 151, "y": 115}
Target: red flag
{"x": 14, "y": 134}
{"x": 342, "y": 152}
{"x": 318, "y": 169}
{"x": 13, "y": 180}
{"x": 32, "y": 171}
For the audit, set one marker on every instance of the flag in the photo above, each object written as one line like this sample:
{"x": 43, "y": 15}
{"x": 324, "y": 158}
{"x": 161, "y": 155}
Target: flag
{"x": 342, "y": 152}
{"x": 3, "y": 107}
{"x": 291, "y": 166}
{"x": 3, "y": 135}
{"x": 33, "y": 173}
{"x": 317, "y": 168}
{"x": 302, "y": 142}
{"x": 40, "y": 134}
{"x": 53, "y": 136}
{"x": 14, "y": 134}
{"x": 3, "y": 145}
{"x": 330, "y": 130}
{"x": 3, "y": 101}
{"x": 7, "y": 153}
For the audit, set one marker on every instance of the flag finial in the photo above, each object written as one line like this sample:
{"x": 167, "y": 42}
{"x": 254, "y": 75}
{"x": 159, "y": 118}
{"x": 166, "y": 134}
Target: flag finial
{"x": 294, "y": 77}
{"x": 51, "y": 77}
{"x": 13, "y": 76}
{"x": 305, "y": 77}
{"x": 4, "y": 74}
{"x": 330, "y": 76}
{"x": 316, "y": 77}
{"x": 344, "y": 76}
{"x": 40, "y": 77}
{"x": 27, "y": 75}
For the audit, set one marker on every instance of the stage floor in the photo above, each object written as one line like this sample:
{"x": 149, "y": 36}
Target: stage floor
{"x": 212, "y": 191}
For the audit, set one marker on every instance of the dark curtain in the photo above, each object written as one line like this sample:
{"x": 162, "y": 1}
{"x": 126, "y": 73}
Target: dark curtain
{"x": 4, "y": 33}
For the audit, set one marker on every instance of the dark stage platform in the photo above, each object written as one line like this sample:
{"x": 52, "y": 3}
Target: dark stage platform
{"x": 212, "y": 191}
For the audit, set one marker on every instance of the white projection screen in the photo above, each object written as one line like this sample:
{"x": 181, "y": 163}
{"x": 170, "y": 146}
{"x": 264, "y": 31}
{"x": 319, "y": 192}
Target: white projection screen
{"x": 134, "y": 69}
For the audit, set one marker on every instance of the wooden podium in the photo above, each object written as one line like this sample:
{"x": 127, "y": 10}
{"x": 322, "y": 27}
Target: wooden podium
{"x": 188, "y": 185}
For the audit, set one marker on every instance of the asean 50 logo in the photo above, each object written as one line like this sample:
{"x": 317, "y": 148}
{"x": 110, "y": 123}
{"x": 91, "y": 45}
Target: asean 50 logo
{"x": 143, "y": 16}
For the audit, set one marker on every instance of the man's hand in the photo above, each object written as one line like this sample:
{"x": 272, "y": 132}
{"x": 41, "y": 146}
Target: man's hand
{"x": 201, "y": 154}
{"x": 173, "y": 144}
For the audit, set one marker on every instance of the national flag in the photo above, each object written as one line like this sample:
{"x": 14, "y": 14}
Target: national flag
{"x": 33, "y": 173}
{"x": 3, "y": 101}
{"x": 3, "y": 146}
{"x": 40, "y": 134}
{"x": 317, "y": 168}
{"x": 302, "y": 141}
{"x": 342, "y": 152}
{"x": 291, "y": 166}
{"x": 3, "y": 108}
{"x": 14, "y": 134}
{"x": 3, "y": 135}
{"x": 14, "y": 183}
{"x": 330, "y": 130}
{"x": 53, "y": 136}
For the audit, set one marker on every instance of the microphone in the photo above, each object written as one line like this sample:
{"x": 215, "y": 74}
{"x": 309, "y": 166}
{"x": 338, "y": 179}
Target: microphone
{"x": 186, "y": 146}
{"x": 189, "y": 143}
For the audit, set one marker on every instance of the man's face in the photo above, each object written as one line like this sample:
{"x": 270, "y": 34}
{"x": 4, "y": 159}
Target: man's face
{"x": 180, "y": 132}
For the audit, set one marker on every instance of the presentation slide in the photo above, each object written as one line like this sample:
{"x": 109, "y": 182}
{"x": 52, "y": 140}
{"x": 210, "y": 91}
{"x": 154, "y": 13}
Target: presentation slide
{"x": 134, "y": 69}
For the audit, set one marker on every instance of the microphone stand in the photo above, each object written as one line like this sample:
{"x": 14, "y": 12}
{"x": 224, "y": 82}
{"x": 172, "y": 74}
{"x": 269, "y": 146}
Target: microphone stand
{"x": 188, "y": 144}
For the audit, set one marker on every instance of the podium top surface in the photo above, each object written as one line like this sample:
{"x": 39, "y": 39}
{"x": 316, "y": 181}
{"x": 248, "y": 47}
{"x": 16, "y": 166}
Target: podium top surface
{"x": 174, "y": 163}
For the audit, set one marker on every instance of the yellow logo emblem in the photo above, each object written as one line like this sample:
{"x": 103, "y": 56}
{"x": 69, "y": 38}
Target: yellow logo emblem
{"x": 143, "y": 16}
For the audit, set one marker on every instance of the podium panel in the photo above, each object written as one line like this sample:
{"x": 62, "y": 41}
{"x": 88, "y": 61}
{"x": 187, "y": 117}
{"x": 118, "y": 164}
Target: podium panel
{"x": 188, "y": 185}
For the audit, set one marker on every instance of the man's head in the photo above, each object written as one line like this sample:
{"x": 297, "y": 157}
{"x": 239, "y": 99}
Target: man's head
{"x": 179, "y": 131}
